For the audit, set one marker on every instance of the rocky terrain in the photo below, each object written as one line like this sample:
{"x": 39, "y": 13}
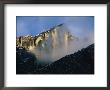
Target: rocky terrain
{"x": 54, "y": 51}
{"x": 49, "y": 38}
{"x": 81, "y": 62}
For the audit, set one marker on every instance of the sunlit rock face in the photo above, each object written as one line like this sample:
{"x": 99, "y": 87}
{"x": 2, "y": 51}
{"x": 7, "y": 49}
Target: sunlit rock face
{"x": 50, "y": 45}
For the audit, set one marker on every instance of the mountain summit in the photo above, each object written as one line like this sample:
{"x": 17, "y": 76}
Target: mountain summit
{"x": 48, "y": 45}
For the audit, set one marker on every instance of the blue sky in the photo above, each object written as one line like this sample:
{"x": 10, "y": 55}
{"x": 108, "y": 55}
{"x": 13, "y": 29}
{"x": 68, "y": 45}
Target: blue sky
{"x": 32, "y": 25}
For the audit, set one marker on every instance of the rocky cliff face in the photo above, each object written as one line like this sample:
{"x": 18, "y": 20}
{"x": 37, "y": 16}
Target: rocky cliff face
{"x": 54, "y": 36}
{"x": 47, "y": 45}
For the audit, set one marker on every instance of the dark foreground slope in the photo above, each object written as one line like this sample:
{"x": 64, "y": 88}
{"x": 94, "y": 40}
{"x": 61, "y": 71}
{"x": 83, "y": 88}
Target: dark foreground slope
{"x": 24, "y": 61}
{"x": 81, "y": 62}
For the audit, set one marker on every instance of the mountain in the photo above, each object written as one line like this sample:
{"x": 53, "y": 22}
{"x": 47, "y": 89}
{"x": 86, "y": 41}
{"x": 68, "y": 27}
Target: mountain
{"x": 49, "y": 45}
{"x": 53, "y": 52}
{"x": 51, "y": 38}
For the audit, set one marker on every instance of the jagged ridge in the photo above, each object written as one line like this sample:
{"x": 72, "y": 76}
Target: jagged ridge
{"x": 29, "y": 41}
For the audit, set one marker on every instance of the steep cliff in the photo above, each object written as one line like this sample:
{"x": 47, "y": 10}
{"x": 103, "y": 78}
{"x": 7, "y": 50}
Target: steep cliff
{"x": 55, "y": 36}
{"x": 48, "y": 45}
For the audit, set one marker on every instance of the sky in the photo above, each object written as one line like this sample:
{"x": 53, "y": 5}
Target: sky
{"x": 33, "y": 25}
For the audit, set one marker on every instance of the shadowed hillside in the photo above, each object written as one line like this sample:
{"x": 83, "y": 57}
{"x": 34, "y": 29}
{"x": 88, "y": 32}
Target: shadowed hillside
{"x": 81, "y": 62}
{"x": 25, "y": 61}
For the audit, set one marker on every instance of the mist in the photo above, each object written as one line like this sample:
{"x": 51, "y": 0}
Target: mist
{"x": 57, "y": 45}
